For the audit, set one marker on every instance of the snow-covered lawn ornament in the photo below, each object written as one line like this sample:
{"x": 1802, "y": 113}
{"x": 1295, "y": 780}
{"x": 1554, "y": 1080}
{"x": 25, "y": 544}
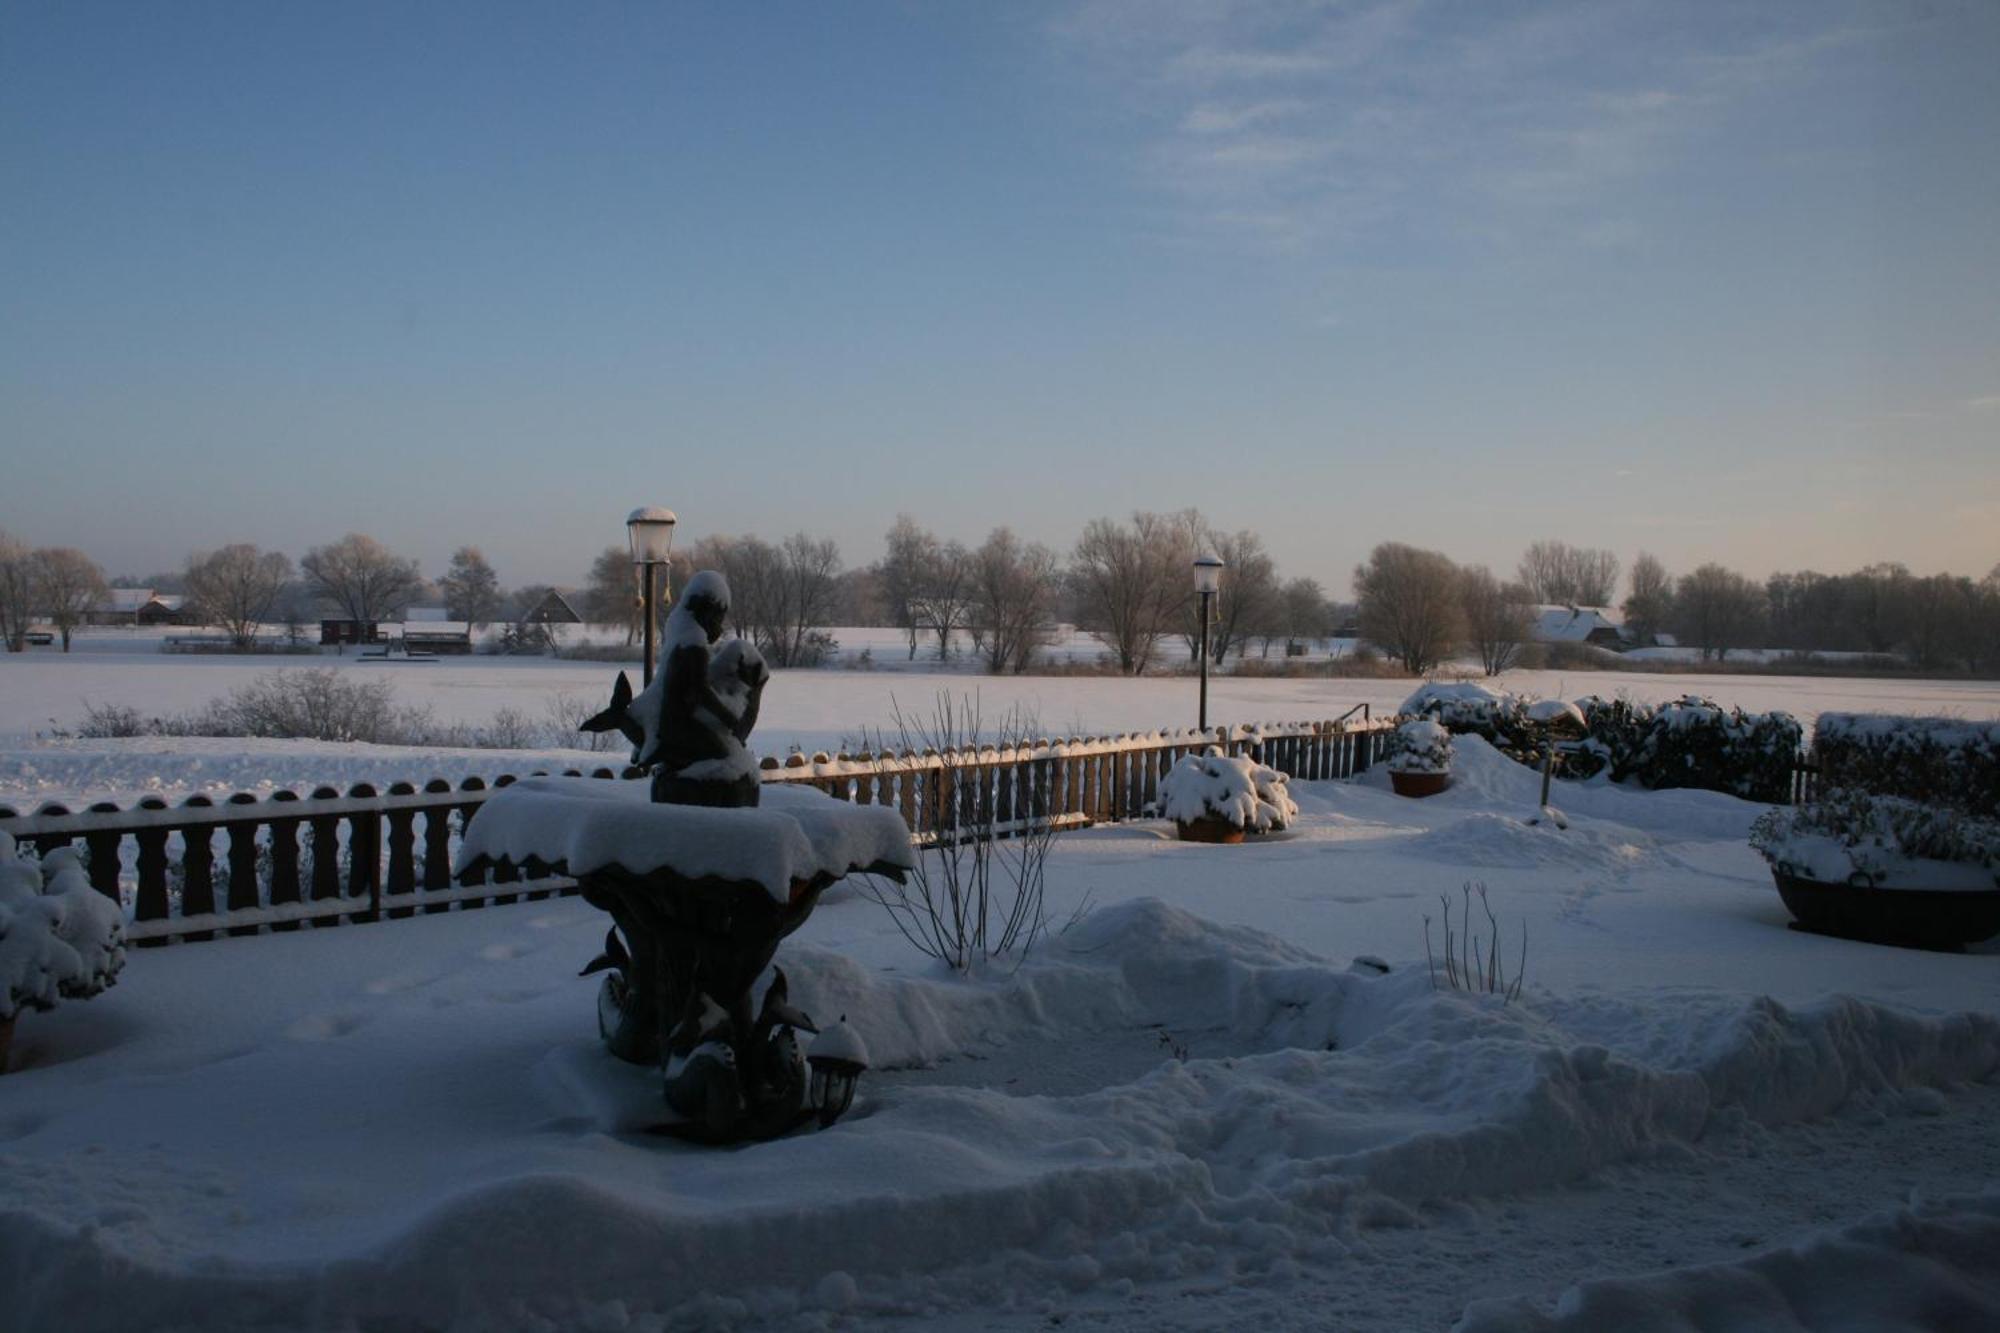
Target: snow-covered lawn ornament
{"x": 691, "y": 722}
{"x": 702, "y": 880}
{"x": 1885, "y": 869}
{"x": 60, "y": 939}
{"x": 1420, "y": 758}
{"x": 1214, "y": 797}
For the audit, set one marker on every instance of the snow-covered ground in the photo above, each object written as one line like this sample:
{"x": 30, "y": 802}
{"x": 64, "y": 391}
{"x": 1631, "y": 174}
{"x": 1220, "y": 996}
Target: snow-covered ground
{"x": 1194, "y": 1109}
{"x": 43, "y": 693}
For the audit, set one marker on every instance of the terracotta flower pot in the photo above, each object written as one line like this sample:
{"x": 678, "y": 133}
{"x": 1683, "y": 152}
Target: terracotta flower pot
{"x": 1924, "y": 918}
{"x": 1418, "y": 784}
{"x": 1208, "y": 829}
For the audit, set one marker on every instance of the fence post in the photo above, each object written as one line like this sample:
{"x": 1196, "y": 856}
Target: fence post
{"x": 325, "y": 854}
{"x": 284, "y": 858}
{"x": 104, "y": 854}
{"x": 198, "y": 867}
{"x": 149, "y": 902}
{"x": 364, "y": 854}
{"x": 241, "y": 835}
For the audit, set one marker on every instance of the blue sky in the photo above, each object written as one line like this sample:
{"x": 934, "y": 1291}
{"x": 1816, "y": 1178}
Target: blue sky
{"x": 1718, "y": 281}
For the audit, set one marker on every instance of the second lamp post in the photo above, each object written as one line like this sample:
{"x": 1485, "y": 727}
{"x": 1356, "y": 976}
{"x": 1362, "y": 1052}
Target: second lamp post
{"x": 1207, "y": 578}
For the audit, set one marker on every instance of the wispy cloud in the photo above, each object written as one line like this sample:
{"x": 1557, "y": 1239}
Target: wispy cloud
{"x": 1332, "y": 123}
{"x": 1984, "y": 403}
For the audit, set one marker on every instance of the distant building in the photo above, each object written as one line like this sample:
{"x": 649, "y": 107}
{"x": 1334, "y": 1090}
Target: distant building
{"x": 452, "y": 637}
{"x": 1579, "y": 624}
{"x": 553, "y": 609}
{"x": 336, "y": 631}
{"x": 139, "y": 606}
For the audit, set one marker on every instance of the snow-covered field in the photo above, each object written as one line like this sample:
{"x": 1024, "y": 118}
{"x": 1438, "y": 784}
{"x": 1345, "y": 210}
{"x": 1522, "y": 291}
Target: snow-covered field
{"x": 1194, "y": 1109}
{"x": 43, "y": 693}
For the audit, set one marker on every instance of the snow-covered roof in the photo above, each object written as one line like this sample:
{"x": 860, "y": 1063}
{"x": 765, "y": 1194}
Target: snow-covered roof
{"x": 125, "y": 600}
{"x": 426, "y": 613}
{"x": 1572, "y": 624}
{"x": 172, "y": 601}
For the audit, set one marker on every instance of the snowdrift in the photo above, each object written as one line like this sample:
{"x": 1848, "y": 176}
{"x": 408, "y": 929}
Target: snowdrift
{"x": 1316, "y": 1100}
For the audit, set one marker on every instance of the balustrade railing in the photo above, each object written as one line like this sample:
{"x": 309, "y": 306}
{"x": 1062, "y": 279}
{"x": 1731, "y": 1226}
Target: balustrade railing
{"x": 243, "y": 863}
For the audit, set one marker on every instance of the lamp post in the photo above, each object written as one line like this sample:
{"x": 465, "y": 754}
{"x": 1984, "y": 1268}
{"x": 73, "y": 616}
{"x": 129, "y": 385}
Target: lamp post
{"x": 651, "y": 531}
{"x": 1207, "y": 578}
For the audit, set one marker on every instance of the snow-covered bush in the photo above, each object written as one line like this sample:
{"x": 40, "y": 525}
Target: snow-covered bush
{"x": 1239, "y": 791}
{"x": 1855, "y": 837}
{"x": 1465, "y": 706}
{"x": 1694, "y": 742}
{"x": 1691, "y": 742}
{"x": 1420, "y": 746}
{"x": 60, "y": 939}
{"x": 1935, "y": 760}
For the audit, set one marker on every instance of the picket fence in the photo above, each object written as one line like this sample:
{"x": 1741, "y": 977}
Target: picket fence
{"x": 244, "y": 864}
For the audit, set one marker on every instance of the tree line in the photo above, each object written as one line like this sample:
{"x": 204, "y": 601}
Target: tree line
{"x": 1126, "y": 582}
{"x": 1422, "y": 608}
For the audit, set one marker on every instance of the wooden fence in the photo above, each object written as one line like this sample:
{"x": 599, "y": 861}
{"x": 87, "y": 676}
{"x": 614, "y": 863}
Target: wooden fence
{"x": 240, "y": 864}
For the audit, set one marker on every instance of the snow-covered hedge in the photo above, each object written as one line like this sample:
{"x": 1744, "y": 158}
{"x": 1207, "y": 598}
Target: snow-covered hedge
{"x": 1420, "y": 746}
{"x": 1854, "y": 837}
{"x": 1695, "y": 742}
{"x": 60, "y": 939}
{"x": 1691, "y": 742}
{"x": 1240, "y": 791}
{"x": 1936, "y": 760}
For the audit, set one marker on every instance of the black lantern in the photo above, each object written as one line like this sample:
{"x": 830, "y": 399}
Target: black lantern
{"x": 838, "y": 1058}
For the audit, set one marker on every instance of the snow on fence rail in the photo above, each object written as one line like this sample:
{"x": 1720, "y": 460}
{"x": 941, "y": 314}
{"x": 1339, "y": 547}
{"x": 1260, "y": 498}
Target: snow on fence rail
{"x": 361, "y": 855}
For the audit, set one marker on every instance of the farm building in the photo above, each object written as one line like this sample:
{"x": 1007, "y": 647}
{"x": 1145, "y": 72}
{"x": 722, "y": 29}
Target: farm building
{"x": 140, "y": 606}
{"x": 1578, "y": 624}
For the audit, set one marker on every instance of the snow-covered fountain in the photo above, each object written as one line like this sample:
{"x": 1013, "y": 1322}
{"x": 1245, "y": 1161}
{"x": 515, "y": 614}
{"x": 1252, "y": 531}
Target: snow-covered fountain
{"x": 702, "y": 875}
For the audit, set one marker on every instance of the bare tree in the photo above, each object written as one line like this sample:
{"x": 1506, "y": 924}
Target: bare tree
{"x": 944, "y": 602}
{"x": 1557, "y": 572}
{"x": 471, "y": 589}
{"x": 67, "y": 584}
{"x": 1132, "y": 582}
{"x": 780, "y": 596}
{"x": 17, "y": 592}
{"x": 1649, "y": 605}
{"x": 237, "y": 587}
{"x": 1497, "y": 616}
{"x": 1307, "y": 613}
{"x": 1409, "y": 604}
{"x": 1940, "y": 609}
{"x": 1717, "y": 609}
{"x": 614, "y": 595}
{"x": 361, "y": 577}
{"x": 904, "y": 569}
{"x": 1015, "y": 589}
{"x": 1246, "y": 601}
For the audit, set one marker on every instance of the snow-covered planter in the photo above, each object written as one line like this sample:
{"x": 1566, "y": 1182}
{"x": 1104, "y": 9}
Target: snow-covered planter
{"x": 1420, "y": 758}
{"x": 60, "y": 939}
{"x": 1885, "y": 868}
{"x": 1215, "y": 797}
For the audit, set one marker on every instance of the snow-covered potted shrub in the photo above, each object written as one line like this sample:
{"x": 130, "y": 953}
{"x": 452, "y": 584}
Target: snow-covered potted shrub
{"x": 1885, "y": 868}
{"x": 1215, "y": 797}
{"x": 60, "y": 939}
{"x": 1420, "y": 758}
